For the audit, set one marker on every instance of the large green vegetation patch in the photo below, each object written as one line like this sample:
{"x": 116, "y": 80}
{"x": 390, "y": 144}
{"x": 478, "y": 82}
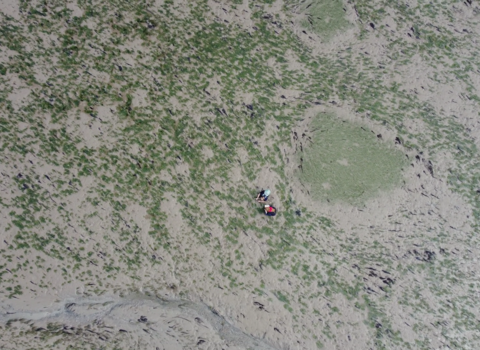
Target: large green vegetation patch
{"x": 325, "y": 18}
{"x": 348, "y": 163}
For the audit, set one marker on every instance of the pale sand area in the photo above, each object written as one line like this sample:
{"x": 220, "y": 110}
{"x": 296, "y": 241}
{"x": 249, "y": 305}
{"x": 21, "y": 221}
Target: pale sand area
{"x": 170, "y": 303}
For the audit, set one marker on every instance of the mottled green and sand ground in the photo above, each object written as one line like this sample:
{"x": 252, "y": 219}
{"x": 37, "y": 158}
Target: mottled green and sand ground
{"x": 134, "y": 136}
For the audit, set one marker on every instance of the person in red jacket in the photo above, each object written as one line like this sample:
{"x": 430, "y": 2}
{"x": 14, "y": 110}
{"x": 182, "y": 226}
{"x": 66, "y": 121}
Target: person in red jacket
{"x": 270, "y": 210}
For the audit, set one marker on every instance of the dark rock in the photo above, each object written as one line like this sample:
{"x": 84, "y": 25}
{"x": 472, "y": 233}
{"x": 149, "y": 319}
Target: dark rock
{"x": 388, "y": 281}
{"x": 69, "y": 307}
{"x": 260, "y": 305}
{"x": 429, "y": 255}
{"x": 429, "y": 166}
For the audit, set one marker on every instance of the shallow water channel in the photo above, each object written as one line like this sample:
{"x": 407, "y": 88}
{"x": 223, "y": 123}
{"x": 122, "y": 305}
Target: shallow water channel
{"x": 174, "y": 323}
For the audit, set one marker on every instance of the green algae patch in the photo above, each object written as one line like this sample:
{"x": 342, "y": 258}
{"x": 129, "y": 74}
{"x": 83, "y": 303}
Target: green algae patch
{"x": 348, "y": 163}
{"x": 326, "y": 18}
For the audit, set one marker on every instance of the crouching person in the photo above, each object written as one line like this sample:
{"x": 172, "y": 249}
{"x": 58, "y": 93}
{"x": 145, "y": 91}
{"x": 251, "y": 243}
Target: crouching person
{"x": 262, "y": 196}
{"x": 270, "y": 210}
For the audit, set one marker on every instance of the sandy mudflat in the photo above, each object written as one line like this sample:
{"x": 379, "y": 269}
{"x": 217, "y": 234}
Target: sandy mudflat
{"x": 135, "y": 135}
